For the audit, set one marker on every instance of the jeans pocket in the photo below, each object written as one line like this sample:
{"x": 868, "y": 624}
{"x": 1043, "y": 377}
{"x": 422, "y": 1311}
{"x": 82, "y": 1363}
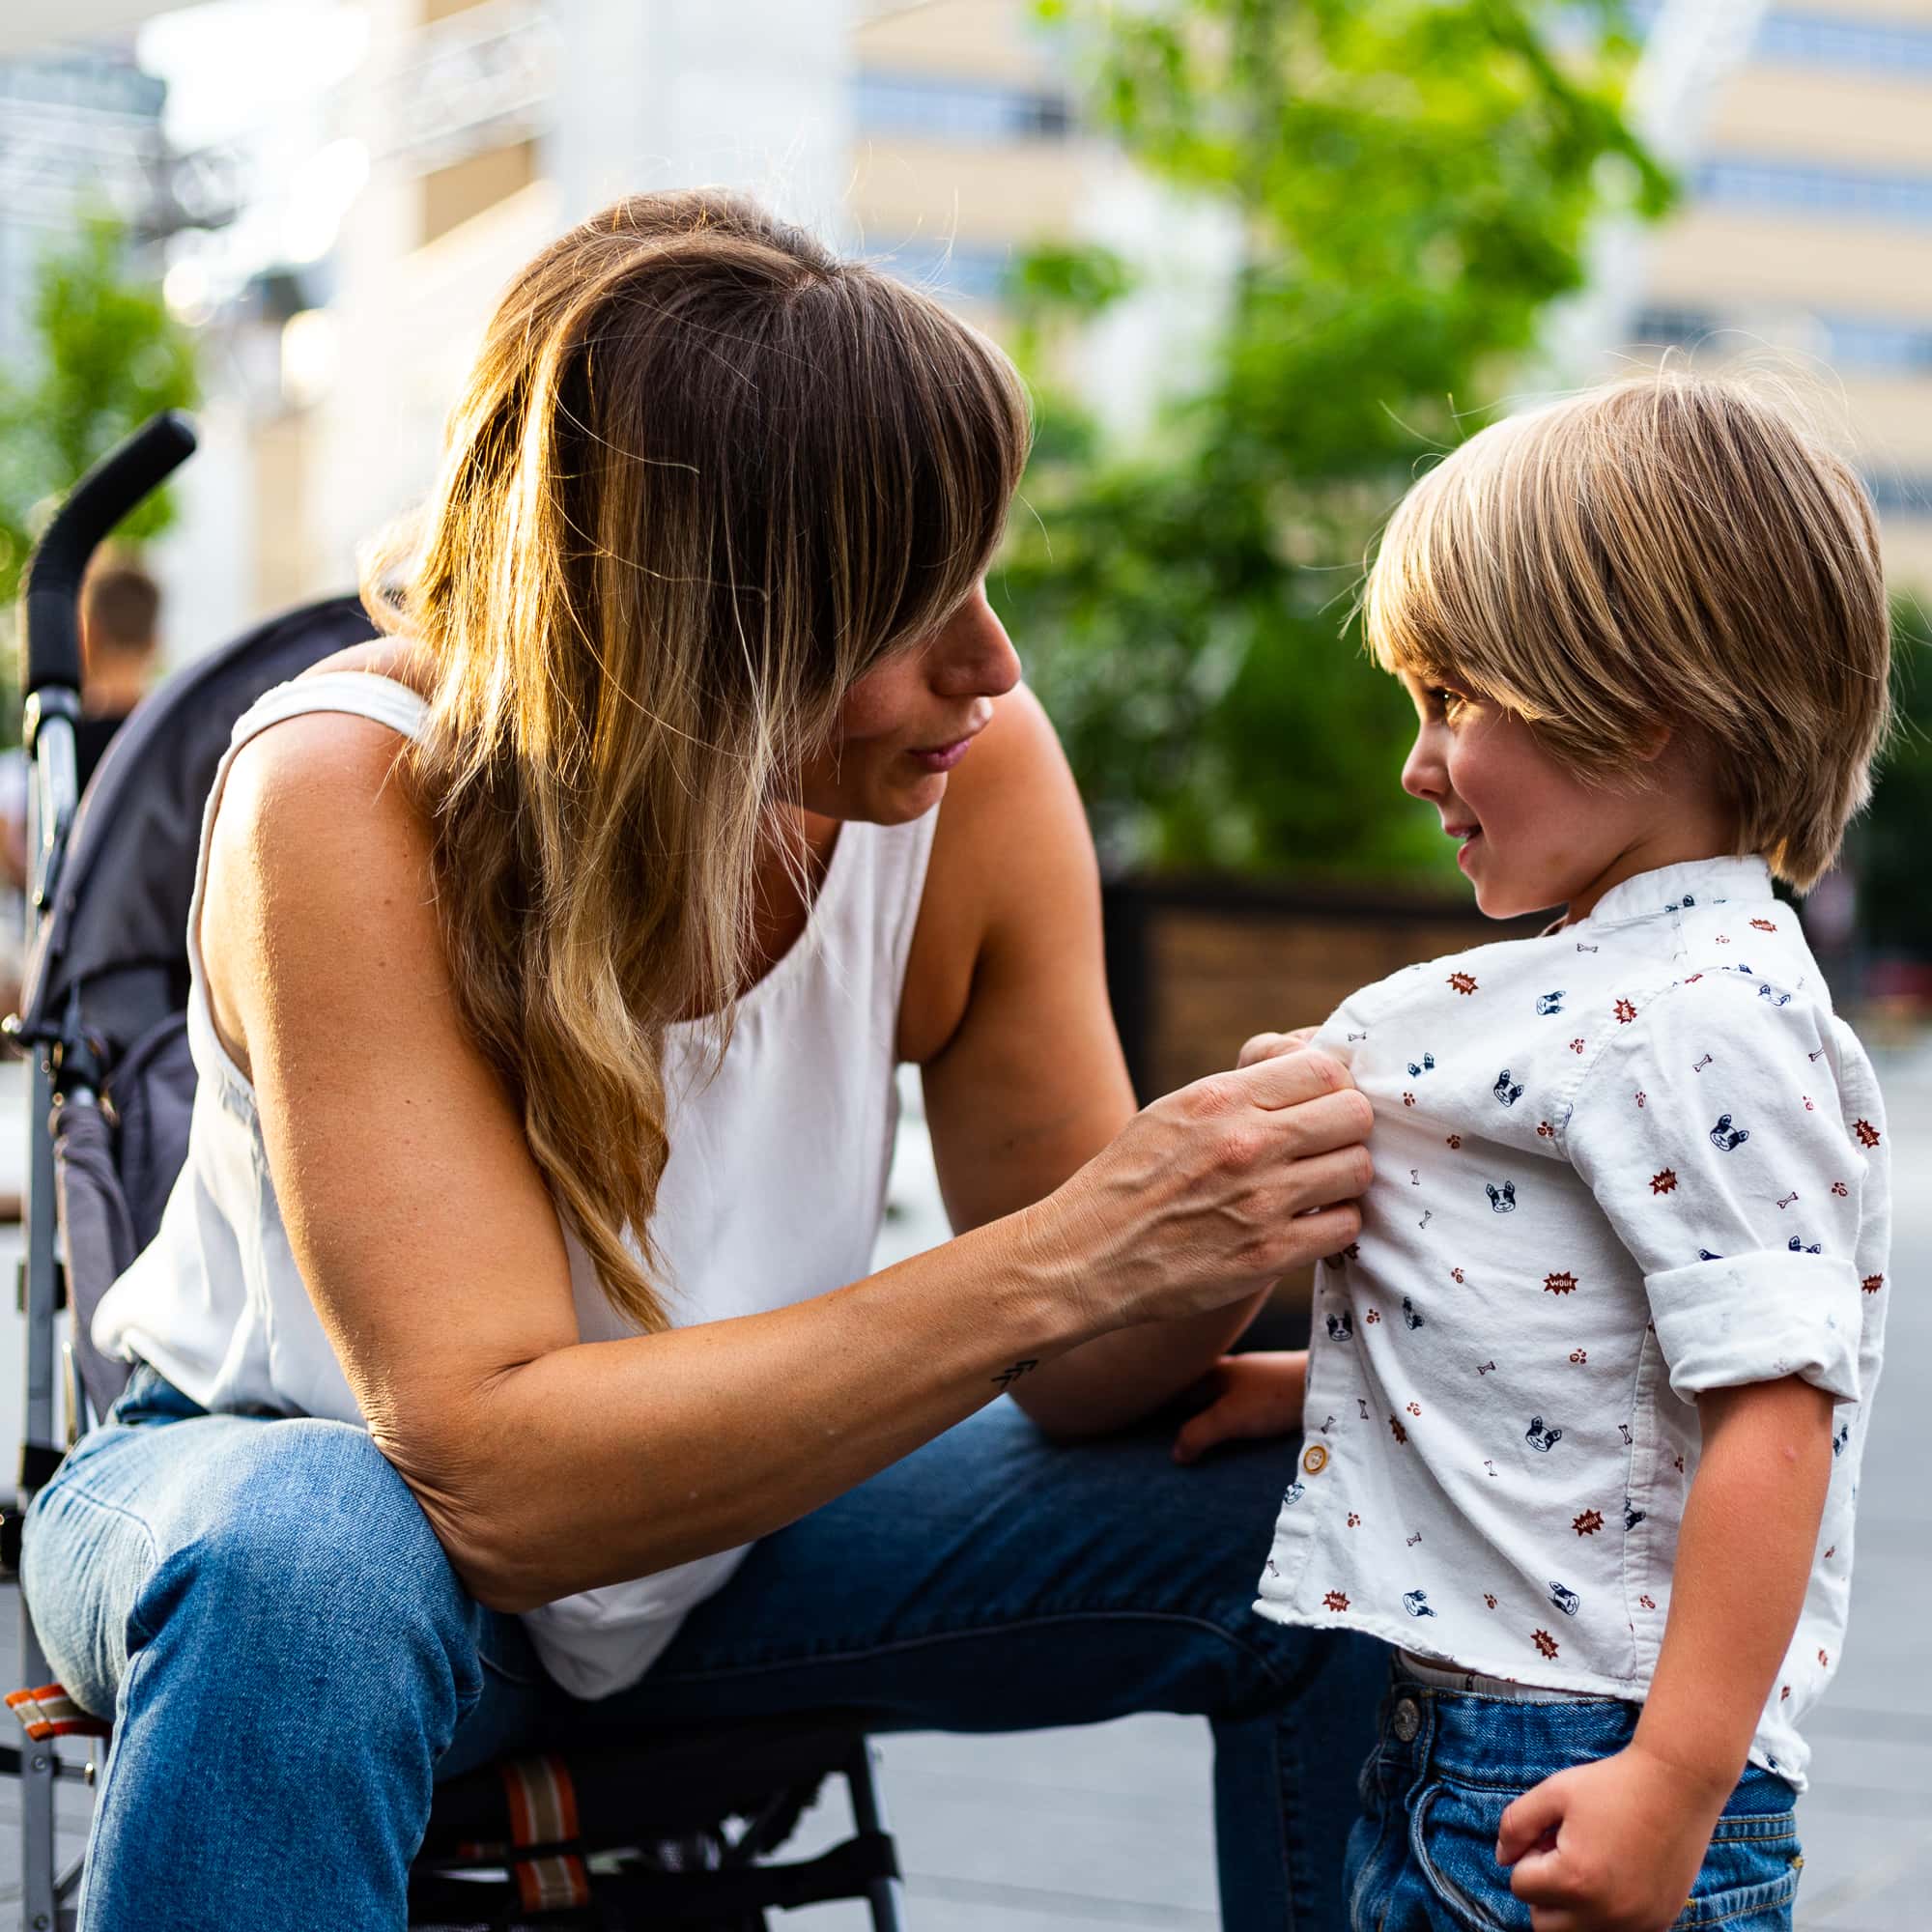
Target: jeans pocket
{"x": 1452, "y": 1840}
{"x": 1750, "y": 1876}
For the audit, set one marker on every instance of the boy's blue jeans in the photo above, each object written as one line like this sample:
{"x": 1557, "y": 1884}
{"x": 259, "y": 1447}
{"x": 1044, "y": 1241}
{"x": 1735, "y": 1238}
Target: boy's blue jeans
{"x": 1423, "y": 1857}
{"x": 291, "y": 1662}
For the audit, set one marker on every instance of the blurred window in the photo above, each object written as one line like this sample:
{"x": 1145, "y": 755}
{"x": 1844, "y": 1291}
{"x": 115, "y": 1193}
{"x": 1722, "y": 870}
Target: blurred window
{"x": 1847, "y": 341}
{"x": 1817, "y": 40}
{"x": 1899, "y": 494}
{"x": 1755, "y": 184}
{"x": 958, "y": 110}
{"x": 972, "y": 271}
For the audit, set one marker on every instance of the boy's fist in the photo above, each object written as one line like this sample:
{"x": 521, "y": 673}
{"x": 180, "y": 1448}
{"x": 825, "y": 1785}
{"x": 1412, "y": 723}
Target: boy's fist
{"x": 1247, "y": 1396}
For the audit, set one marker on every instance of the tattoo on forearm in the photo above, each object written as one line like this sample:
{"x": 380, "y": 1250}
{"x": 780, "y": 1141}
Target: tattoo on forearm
{"x": 1007, "y": 1376}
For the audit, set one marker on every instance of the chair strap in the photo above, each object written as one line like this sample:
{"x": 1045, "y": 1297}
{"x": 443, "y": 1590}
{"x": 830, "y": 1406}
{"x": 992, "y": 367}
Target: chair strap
{"x": 543, "y": 1811}
{"x": 49, "y": 1712}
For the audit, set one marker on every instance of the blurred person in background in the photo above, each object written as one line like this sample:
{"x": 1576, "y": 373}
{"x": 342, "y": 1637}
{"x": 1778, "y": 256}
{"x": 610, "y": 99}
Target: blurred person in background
{"x": 119, "y": 654}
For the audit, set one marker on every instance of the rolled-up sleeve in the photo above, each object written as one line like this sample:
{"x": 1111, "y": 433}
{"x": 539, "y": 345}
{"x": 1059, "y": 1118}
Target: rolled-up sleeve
{"x": 1711, "y": 1132}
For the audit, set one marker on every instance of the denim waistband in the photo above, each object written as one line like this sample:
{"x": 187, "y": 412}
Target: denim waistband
{"x": 150, "y": 1397}
{"x": 1510, "y": 1745}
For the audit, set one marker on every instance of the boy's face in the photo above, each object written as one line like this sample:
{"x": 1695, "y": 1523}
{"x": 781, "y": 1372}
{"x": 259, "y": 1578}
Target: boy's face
{"x": 1532, "y": 834}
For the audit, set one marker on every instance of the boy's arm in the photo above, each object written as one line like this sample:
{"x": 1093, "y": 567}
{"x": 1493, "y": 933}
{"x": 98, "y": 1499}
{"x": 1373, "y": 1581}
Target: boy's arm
{"x": 1744, "y": 1558}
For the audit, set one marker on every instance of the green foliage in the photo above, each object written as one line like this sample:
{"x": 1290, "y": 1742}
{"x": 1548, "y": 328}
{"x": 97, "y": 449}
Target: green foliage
{"x": 1888, "y": 847}
{"x": 110, "y": 357}
{"x": 1412, "y": 182}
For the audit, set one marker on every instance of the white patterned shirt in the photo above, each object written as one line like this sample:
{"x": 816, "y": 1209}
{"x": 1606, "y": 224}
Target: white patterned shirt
{"x": 1617, "y": 1164}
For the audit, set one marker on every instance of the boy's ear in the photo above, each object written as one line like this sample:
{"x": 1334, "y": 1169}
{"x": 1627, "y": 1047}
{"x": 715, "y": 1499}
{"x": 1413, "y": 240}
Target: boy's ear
{"x": 1655, "y": 740}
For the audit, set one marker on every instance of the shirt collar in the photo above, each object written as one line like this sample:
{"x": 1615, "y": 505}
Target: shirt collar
{"x": 1697, "y": 882}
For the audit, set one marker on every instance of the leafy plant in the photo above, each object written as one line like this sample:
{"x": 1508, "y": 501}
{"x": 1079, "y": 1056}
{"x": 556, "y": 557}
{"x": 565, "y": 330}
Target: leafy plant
{"x": 107, "y": 357}
{"x": 1411, "y": 182}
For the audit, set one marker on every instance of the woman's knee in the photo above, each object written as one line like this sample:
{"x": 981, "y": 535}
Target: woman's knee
{"x": 289, "y": 1549}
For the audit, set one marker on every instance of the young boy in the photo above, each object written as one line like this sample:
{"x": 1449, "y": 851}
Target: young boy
{"x": 1582, "y": 1420}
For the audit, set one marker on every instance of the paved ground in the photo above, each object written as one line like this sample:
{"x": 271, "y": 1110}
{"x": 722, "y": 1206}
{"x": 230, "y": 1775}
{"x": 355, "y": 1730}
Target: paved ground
{"x": 1110, "y": 1826}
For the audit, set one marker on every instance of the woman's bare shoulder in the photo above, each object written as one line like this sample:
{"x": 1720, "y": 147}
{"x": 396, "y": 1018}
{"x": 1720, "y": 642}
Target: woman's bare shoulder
{"x": 314, "y": 845}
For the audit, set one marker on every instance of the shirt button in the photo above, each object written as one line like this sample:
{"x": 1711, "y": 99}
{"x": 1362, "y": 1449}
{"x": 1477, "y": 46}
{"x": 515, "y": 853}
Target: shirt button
{"x": 1407, "y": 1720}
{"x": 1315, "y": 1458}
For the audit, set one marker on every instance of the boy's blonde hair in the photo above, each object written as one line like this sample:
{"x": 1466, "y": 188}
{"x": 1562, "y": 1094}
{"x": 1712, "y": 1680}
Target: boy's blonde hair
{"x": 1671, "y": 550}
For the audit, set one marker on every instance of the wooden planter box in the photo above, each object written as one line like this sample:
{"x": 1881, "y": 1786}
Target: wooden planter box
{"x": 1197, "y": 966}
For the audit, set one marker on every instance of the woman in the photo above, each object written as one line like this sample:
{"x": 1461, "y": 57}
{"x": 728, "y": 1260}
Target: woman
{"x": 510, "y": 1362}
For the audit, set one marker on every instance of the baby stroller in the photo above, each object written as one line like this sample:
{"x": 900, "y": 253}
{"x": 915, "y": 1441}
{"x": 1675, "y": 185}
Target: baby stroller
{"x": 670, "y": 1832}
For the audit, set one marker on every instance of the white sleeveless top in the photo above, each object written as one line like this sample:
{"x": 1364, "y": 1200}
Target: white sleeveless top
{"x": 773, "y": 1192}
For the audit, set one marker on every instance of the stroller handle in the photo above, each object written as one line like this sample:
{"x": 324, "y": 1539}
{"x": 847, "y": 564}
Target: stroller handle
{"x": 49, "y": 589}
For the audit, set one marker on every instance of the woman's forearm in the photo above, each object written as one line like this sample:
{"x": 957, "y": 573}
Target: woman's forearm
{"x": 1744, "y": 1557}
{"x": 603, "y": 1461}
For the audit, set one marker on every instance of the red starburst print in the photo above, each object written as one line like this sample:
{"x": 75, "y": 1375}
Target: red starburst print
{"x": 1648, "y": 1603}
{"x": 1373, "y": 1316}
{"x": 1588, "y": 1523}
{"x": 1334, "y": 1601}
{"x": 1408, "y": 1099}
{"x": 1544, "y": 1132}
{"x": 1559, "y": 1283}
{"x": 1580, "y": 1354}
{"x": 1354, "y": 1521}
{"x": 1869, "y": 1135}
{"x": 1765, "y": 924}
{"x": 1873, "y": 1283}
{"x": 1665, "y": 1183}
{"x": 1489, "y": 1600}
{"x": 1839, "y": 1188}
{"x": 1625, "y": 1012}
{"x": 1456, "y": 1274}
{"x": 1455, "y": 1140}
{"x": 1463, "y": 982}
{"x": 1576, "y": 1046}
{"x": 1544, "y": 1642}
{"x": 1415, "y": 1408}
{"x": 1400, "y": 1434}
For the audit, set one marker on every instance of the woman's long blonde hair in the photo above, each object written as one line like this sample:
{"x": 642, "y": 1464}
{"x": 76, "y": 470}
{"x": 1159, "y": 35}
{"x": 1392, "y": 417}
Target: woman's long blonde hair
{"x": 704, "y": 476}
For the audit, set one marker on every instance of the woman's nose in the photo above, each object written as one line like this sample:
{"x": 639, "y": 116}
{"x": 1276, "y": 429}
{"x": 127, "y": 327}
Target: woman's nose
{"x": 977, "y": 657}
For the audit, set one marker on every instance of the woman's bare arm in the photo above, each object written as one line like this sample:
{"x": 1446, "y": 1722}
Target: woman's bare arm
{"x": 432, "y": 1249}
{"x": 1033, "y": 1085}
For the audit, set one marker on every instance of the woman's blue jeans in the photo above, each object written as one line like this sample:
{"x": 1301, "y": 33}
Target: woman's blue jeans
{"x": 291, "y": 1663}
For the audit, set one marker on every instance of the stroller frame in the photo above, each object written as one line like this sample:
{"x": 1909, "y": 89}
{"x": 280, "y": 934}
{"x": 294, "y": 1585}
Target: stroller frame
{"x": 689, "y": 1869}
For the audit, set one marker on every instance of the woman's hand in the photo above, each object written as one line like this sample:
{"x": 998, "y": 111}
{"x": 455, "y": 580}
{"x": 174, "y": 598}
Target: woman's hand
{"x": 1272, "y": 1045}
{"x": 1248, "y": 1396}
{"x": 1210, "y": 1194}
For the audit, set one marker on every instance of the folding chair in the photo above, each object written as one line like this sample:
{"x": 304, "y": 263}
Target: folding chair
{"x": 672, "y": 1830}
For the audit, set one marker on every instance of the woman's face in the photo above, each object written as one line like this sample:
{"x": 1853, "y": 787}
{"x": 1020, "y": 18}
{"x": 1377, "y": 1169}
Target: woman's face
{"x": 906, "y": 724}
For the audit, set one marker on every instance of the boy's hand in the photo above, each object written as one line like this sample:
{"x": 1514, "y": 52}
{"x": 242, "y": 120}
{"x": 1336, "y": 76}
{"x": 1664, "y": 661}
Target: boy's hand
{"x": 1248, "y": 1396}
{"x": 1271, "y": 1045}
{"x": 1613, "y": 1846}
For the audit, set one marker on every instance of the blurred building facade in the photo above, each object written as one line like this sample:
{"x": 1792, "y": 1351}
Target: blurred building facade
{"x": 943, "y": 138}
{"x": 1806, "y": 232}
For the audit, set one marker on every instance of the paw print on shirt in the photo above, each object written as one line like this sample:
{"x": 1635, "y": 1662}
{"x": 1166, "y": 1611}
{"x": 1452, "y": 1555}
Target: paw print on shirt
{"x": 1576, "y": 1046}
